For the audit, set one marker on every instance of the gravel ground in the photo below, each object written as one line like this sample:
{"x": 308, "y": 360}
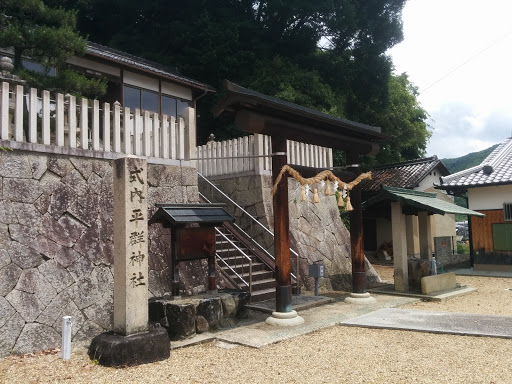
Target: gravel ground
{"x": 333, "y": 355}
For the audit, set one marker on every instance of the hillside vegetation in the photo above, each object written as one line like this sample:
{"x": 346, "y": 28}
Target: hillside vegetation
{"x": 464, "y": 162}
{"x": 467, "y": 161}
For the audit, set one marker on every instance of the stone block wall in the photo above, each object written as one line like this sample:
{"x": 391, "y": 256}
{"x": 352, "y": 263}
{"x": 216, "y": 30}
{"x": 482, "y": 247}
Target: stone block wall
{"x": 316, "y": 230}
{"x": 56, "y": 245}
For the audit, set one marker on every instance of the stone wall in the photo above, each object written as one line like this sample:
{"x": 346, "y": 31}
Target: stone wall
{"x": 56, "y": 245}
{"x": 316, "y": 230}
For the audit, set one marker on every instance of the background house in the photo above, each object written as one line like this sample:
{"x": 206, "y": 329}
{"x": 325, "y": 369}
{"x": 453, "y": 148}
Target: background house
{"x": 139, "y": 83}
{"x": 133, "y": 81}
{"x": 489, "y": 191}
{"x": 418, "y": 175}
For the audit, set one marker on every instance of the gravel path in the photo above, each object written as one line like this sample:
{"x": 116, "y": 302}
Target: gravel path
{"x": 334, "y": 355}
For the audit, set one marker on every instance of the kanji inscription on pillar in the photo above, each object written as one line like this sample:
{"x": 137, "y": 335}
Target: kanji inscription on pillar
{"x": 130, "y": 246}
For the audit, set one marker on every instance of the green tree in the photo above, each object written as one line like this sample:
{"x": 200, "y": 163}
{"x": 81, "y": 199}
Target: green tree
{"x": 48, "y": 36}
{"x": 274, "y": 47}
{"x": 406, "y": 120}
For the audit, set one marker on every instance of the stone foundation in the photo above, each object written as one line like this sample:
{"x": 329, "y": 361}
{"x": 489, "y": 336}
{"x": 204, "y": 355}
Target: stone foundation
{"x": 114, "y": 350}
{"x": 191, "y": 315}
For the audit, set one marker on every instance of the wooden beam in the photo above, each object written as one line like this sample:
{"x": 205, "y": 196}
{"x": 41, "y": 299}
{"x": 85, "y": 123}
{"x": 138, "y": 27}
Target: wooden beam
{"x": 250, "y": 121}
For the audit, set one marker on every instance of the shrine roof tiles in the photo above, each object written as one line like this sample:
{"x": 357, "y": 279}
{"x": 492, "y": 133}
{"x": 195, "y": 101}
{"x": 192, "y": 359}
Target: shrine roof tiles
{"x": 406, "y": 174}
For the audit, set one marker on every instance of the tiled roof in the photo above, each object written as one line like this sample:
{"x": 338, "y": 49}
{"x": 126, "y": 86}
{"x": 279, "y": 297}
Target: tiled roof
{"x": 495, "y": 169}
{"x": 407, "y": 174}
{"x": 139, "y": 63}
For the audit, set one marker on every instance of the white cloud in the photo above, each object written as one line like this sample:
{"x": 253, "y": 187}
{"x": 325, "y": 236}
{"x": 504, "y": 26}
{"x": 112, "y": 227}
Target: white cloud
{"x": 459, "y": 54}
{"x": 460, "y": 129}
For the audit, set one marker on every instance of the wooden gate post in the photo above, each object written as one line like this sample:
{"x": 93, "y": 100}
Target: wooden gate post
{"x": 281, "y": 228}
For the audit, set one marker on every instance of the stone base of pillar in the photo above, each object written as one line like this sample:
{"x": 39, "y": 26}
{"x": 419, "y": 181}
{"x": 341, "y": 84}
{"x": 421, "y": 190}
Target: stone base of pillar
{"x": 112, "y": 350}
{"x": 285, "y": 319}
{"x": 360, "y": 298}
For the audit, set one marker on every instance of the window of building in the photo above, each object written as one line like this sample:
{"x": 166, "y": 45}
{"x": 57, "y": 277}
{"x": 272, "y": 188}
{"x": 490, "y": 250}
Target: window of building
{"x": 169, "y": 105}
{"x": 149, "y": 101}
{"x": 141, "y": 98}
{"x": 180, "y": 108}
{"x": 507, "y": 211}
{"x": 131, "y": 97}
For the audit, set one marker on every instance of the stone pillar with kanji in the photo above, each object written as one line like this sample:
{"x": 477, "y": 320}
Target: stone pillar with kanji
{"x": 132, "y": 342}
{"x": 130, "y": 246}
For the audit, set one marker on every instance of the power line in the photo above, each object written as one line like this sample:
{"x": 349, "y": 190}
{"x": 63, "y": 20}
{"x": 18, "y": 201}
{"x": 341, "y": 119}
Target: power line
{"x": 467, "y": 61}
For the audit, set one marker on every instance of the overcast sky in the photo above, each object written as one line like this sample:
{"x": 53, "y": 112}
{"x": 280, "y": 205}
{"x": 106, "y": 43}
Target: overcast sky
{"x": 459, "y": 54}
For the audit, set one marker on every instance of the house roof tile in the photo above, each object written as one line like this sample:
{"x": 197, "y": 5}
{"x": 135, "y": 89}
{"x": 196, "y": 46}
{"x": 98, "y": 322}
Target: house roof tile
{"x": 406, "y": 174}
{"x": 495, "y": 169}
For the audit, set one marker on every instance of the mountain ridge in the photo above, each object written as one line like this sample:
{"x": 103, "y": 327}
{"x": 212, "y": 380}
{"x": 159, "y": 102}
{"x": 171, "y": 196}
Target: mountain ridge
{"x": 457, "y": 164}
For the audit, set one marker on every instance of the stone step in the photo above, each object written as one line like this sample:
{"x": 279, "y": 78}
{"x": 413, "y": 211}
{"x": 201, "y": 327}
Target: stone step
{"x": 239, "y": 268}
{"x": 260, "y": 285}
{"x": 236, "y": 259}
{"x": 230, "y": 250}
{"x": 265, "y": 294}
{"x": 256, "y": 275}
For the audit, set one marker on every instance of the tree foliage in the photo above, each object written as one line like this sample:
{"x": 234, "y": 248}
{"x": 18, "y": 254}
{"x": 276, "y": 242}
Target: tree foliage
{"x": 328, "y": 54}
{"x": 405, "y": 119}
{"x": 48, "y": 36}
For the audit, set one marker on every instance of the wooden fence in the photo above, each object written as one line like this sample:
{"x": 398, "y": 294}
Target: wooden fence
{"x": 67, "y": 122}
{"x": 252, "y": 155}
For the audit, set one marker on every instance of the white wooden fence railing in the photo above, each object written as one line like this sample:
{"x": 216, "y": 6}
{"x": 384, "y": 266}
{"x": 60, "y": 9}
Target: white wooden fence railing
{"x": 252, "y": 155}
{"x": 82, "y": 124}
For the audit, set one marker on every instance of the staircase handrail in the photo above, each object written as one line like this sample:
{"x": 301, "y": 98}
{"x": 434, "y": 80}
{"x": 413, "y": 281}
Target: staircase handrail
{"x": 235, "y": 204}
{"x": 242, "y": 253}
{"x": 253, "y": 219}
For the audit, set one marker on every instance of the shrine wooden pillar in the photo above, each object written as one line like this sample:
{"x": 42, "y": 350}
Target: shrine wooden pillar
{"x": 281, "y": 228}
{"x": 356, "y": 230}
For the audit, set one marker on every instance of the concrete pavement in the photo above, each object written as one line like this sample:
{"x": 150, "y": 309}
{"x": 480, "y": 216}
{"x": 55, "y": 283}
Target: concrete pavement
{"x": 331, "y": 311}
{"x": 435, "y": 322}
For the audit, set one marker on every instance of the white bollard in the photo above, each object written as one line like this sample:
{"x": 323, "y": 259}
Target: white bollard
{"x": 66, "y": 337}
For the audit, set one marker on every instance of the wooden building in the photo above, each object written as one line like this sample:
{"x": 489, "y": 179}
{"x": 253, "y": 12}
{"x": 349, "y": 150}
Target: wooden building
{"x": 489, "y": 191}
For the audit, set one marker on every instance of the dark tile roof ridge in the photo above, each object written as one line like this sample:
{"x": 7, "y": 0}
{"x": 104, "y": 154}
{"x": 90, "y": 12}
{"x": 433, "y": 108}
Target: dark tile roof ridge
{"x": 494, "y": 158}
{"x": 408, "y": 162}
{"x": 409, "y": 175}
{"x": 235, "y": 88}
{"x": 103, "y": 50}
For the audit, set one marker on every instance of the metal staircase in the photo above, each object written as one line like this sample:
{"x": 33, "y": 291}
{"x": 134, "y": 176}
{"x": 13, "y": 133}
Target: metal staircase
{"x": 242, "y": 260}
{"x": 244, "y": 267}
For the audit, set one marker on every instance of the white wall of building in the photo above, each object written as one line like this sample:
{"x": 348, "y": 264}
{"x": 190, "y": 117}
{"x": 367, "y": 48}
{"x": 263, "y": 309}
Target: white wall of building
{"x": 429, "y": 181}
{"x": 492, "y": 197}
